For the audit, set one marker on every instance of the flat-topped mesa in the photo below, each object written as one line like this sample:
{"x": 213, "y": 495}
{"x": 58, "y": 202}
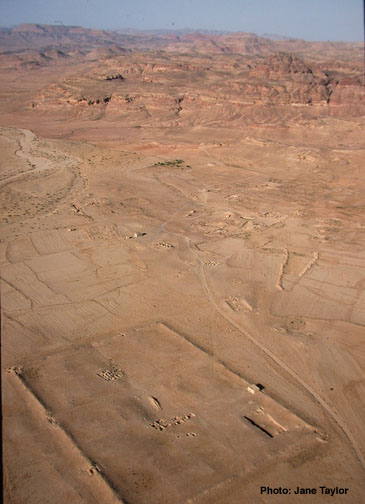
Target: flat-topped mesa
{"x": 348, "y": 96}
{"x": 39, "y": 28}
{"x": 55, "y": 30}
{"x": 283, "y": 66}
{"x": 99, "y": 53}
{"x": 286, "y": 79}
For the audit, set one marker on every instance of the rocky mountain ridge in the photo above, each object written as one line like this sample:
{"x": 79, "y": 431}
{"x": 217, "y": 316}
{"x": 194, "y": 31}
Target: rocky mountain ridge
{"x": 148, "y": 89}
{"x": 38, "y": 36}
{"x": 198, "y": 79}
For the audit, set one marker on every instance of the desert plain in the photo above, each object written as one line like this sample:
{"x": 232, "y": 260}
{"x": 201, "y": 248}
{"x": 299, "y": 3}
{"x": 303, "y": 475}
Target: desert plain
{"x": 182, "y": 268}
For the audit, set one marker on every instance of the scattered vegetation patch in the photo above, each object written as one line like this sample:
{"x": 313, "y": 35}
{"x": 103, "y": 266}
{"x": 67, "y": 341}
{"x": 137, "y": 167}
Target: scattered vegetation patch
{"x": 176, "y": 162}
{"x": 114, "y": 77}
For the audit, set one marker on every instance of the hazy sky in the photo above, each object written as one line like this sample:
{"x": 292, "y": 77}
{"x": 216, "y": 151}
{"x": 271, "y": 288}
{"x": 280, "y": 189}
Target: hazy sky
{"x": 308, "y": 19}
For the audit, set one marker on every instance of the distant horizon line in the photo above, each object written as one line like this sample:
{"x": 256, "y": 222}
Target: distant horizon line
{"x": 273, "y": 36}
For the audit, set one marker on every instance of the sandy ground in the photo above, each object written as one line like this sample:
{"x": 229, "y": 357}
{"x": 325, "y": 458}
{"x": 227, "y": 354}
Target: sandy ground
{"x": 182, "y": 311}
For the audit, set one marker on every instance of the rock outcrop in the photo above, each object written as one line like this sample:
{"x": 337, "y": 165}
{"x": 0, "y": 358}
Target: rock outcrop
{"x": 285, "y": 78}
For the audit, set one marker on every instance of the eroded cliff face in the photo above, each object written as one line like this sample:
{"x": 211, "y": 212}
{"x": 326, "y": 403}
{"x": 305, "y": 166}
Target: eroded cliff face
{"x": 150, "y": 88}
{"x": 285, "y": 78}
{"x": 196, "y": 80}
{"x": 290, "y": 80}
